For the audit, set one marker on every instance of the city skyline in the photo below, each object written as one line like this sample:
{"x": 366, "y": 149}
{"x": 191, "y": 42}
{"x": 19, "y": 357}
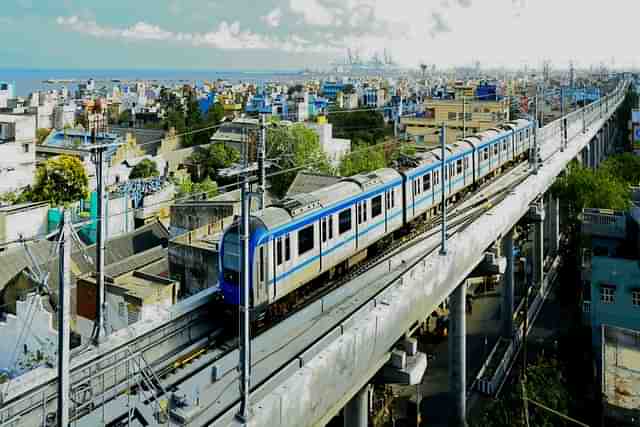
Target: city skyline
{"x": 290, "y": 34}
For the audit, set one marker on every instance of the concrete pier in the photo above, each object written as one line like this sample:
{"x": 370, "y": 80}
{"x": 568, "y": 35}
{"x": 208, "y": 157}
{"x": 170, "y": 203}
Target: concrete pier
{"x": 508, "y": 287}
{"x": 457, "y": 356}
{"x": 356, "y": 412}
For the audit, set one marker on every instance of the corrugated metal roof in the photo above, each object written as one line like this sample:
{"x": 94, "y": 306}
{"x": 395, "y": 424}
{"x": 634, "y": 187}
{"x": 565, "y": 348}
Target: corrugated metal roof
{"x": 14, "y": 261}
{"x": 136, "y": 261}
{"x": 305, "y": 183}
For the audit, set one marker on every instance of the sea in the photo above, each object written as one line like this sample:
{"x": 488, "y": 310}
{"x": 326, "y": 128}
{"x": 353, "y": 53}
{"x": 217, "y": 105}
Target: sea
{"x": 27, "y": 81}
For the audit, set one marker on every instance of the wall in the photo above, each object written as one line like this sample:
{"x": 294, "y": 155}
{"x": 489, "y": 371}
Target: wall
{"x": 624, "y": 274}
{"x": 27, "y": 222}
{"x": 31, "y": 326}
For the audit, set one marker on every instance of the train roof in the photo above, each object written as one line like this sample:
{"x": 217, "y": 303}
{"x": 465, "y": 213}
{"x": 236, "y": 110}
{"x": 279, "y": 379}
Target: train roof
{"x": 374, "y": 179}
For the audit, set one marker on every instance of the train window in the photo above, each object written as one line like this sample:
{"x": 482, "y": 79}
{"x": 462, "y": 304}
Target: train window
{"x": 364, "y": 211}
{"x": 287, "y": 248}
{"x": 344, "y": 221}
{"x": 504, "y": 146}
{"x": 330, "y": 226}
{"x": 393, "y": 198}
{"x": 279, "y": 251}
{"x": 452, "y": 171}
{"x": 324, "y": 230}
{"x": 305, "y": 239}
{"x": 261, "y": 278}
{"x": 459, "y": 166}
{"x": 466, "y": 163}
{"x": 426, "y": 181}
{"x": 436, "y": 177}
{"x": 495, "y": 149}
{"x": 485, "y": 154}
{"x": 376, "y": 206}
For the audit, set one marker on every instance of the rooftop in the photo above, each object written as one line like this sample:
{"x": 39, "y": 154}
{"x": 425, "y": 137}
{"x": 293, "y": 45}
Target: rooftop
{"x": 306, "y": 182}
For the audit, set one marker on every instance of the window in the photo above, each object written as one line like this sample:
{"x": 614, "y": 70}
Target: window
{"x": 436, "y": 177}
{"x": 468, "y": 116}
{"x": 331, "y": 227}
{"x": 504, "y": 146}
{"x": 495, "y": 149}
{"x": 452, "y": 116}
{"x": 361, "y": 212}
{"x": 459, "y": 166}
{"x": 25, "y": 148}
{"x": 607, "y": 294}
{"x": 376, "y": 206}
{"x": 121, "y": 309}
{"x": 466, "y": 163}
{"x": 324, "y": 230}
{"x": 485, "y": 154}
{"x": 305, "y": 239}
{"x": 426, "y": 182}
{"x": 635, "y": 298}
{"x": 287, "y": 248}
{"x": 279, "y": 251}
{"x": 261, "y": 270}
{"x": 392, "y": 194}
{"x": 344, "y": 221}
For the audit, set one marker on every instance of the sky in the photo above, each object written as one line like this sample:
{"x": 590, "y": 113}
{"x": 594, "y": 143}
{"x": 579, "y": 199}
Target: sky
{"x": 294, "y": 34}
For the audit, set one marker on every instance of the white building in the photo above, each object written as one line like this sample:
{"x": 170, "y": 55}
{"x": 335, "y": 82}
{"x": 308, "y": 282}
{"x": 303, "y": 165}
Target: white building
{"x": 6, "y": 93}
{"x": 334, "y": 148}
{"x": 17, "y": 151}
{"x": 24, "y": 220}
{"x": 64, "y": 115}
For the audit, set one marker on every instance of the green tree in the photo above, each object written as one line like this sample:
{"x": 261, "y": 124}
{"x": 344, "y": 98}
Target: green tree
{"x": 584, "y": 188}
{"x": 186, "y": 187}
{"x": 42, "y": 134}
{"x": 213, "y": 157}
{"x": 60, "y": 180}
{"x": 145, "y": 169}
{"x": 625, "y": 166}
{"x": 294, "y": 147}
{"x": 360, "y": 126}
{"x": 125, "y": 117}
{"x": 362, "y": 159}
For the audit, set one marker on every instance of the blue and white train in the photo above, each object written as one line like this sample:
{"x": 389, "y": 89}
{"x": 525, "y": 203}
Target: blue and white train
{"x": 307, "y": 235}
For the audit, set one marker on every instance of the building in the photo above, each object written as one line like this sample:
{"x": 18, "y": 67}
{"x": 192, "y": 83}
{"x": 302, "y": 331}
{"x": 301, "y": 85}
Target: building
{"x": 334, "y": 148}
{"x": 17, "y": 151}
{"x": 458, "y": 115}
{"x": 131, "y": 295}
{"x": 331, "y": 89}
{"x": 239, "y": 134}
{"x": 22, "y": 221}
{"x": 611, "y": 307}
{"x": 64, "y": 116}
{"x": 7, "y": 92}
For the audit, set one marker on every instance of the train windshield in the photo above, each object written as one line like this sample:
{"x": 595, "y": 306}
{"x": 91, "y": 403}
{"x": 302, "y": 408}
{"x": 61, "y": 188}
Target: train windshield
{"x": 231, "y": 257}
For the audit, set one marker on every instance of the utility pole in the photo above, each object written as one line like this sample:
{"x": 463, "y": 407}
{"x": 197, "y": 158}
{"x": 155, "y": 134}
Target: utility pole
{"x": 262, "y": 148}
{"x": 535, "y": 134}
{"x": 64, "y": 299}
{"x": 100, "y": 323}
{"x": 245, "y": 339}
{"x": 443, "y": 143}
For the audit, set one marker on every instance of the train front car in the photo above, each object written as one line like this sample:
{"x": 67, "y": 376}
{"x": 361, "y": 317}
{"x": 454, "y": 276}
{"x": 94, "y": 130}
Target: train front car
{"x": 230, "y": 262}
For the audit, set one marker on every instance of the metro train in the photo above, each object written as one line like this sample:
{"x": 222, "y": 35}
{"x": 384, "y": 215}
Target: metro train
{"x": 307, "y": 235}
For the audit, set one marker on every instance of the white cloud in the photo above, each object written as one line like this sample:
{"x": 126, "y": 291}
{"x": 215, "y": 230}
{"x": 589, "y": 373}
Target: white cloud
{"x": 313, "y": 12}
{"x": 225, "y": 36}
{"x": 273, "y": 18}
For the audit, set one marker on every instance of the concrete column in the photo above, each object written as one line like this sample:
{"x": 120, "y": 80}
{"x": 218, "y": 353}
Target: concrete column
{"x": 554, "y": 225}
{"x": 356, "y": 413}
{"x": 538, "y": 250}
{"x": 508, "y": 287}
{"x": 458, "y": 356}
{"x": 592, "y": 150}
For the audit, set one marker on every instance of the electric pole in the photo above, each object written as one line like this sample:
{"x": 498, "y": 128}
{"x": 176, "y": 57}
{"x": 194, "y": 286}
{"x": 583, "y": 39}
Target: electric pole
{"x": 443, "y": 169}
{"x": 64, "y": 301}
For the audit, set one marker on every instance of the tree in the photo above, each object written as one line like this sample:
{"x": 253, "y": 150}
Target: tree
{"x": 294, "y": 147}
{"x": 625, "y": 166}
{"x": 186, "y": 187}
{"x": 584, "y": 188}
{"x": 124, "y": 117}
{"x": 60, "y": 180}
{"x": 145, "y": 169}
{"x": 213, "y": 157}
{"x": 42, "y": 134}
{"x": 366, "y": 127}
{"x": 362, "y": 159}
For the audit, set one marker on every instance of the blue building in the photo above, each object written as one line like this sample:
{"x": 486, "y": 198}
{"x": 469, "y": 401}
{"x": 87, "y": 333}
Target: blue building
{"x": 611, "y": 270}
{"x": 330, "y": 89}
{"x": 487, "y": 92}
{"x": 207, "y": 102}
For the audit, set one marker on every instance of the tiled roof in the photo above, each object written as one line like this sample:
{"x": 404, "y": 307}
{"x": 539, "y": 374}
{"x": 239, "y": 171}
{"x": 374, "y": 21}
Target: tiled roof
{"x": 305, "y": 183}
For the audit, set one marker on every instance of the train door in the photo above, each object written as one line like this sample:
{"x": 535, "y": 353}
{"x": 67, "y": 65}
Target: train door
{"x": 259, "y": 288}
{"x": 282, "y": 260}
{"x": 327, "y": 235}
